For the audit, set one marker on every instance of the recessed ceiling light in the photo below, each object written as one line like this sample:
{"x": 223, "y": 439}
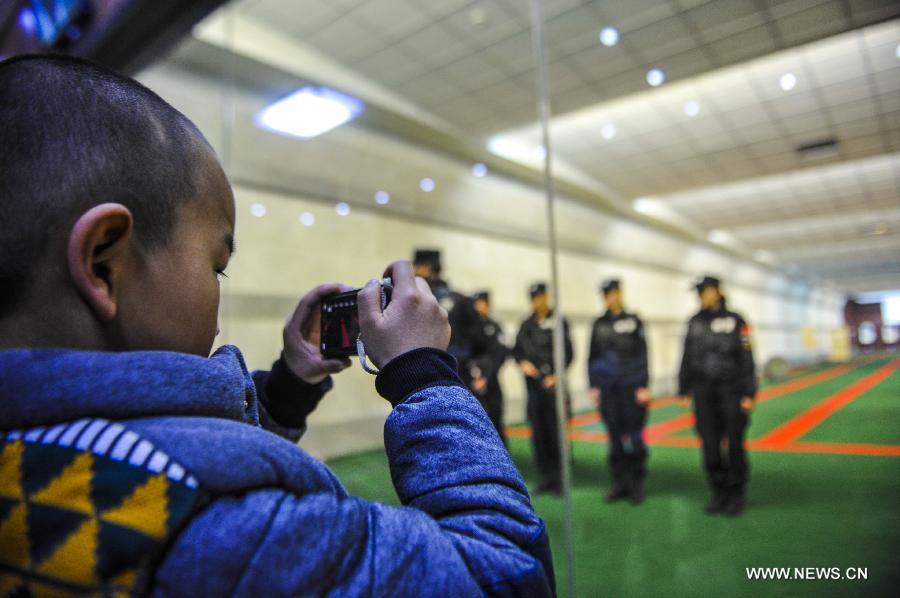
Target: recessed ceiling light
{"x": 609, "y": 36}
{"x": 342, "y": 208}
{"x": 427, "y": 185}
{"x": 719, "y": 237}
{"x": 656, "y": 77}
{"x": 479, "y": 169}
{"x": 382, "y": 197}
{"x": 307, "y": 219}
{"x": 478, "y": 16}
{"x": 540, "y": 152}
{"x": 788, "y": 81}
{"x": 608, "y": 131}
{"x": 258, "y": 210}
{"x": 692, "y": 108}
{"x": 309, "y": 112}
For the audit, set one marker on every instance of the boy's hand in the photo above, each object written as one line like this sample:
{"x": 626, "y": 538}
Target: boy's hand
{"x": 302, "y": 337}
{"x": 412, "y": 320}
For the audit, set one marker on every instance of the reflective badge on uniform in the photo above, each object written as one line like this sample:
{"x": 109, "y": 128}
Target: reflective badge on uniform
{"x": 723, "y": 325}
{"x": 490, "y": 329}
{"x": 745, "y": 337}
{"x": 626, "y": 326}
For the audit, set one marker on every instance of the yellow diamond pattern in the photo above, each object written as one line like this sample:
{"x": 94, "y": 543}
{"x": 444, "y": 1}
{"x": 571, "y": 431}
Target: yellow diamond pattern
{"x": 75, "y": 560}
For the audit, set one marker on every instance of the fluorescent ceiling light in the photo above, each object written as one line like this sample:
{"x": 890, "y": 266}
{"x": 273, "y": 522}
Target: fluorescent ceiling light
{"x": 608, "y": 131}
{"x": 692, "y": 108}
{"x": 427, "y": 185}
{"x": 719, "y": 237}
{"x": 382, "y": 197}
{"x": 609, "y": 36}
{"x": 342, "y": 208}
{"x": 309, "y": 112}
{"x": 258, "y": 210}
{"x": 479, "y": 169}
{"x": 307, "y": 219}
{"x": 645, "y": 205}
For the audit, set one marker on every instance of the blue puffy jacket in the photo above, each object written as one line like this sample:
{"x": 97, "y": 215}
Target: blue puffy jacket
{"x": 152, "y": 473}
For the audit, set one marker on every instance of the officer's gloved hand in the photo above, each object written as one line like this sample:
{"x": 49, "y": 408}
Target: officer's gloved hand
{"x": 747, "y": 404}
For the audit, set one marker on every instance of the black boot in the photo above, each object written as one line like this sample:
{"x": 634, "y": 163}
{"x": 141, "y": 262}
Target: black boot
{"x": 734, "y": 505}
{"x": 717, "y": 502}
{"x": 636, "y": 495}
{"x": 619, "y": 491}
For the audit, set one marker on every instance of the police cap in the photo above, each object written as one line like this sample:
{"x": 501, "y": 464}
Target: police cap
{"x": 427, "y": 257}
{"x": 538, "y": 288}
{"x": 610, "y": 285}
{"x": 705, "y": 282}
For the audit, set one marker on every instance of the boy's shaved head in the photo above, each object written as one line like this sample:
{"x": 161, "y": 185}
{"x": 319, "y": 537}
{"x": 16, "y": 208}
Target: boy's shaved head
{"x": 74, "y": 135}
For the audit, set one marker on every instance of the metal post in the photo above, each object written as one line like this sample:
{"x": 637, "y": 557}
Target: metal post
{"x": 559, "y": 351}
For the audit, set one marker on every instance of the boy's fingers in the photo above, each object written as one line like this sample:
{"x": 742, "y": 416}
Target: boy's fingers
{"x": 369, "y": 303}
{"x": 313, "y": 297}
{"x": 402, "y": 276}
{"x": 423, "y": 287}
{"x": 333, "y": 366}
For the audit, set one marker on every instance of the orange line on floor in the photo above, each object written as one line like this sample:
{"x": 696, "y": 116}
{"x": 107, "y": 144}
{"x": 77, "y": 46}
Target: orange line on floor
{"x": 682, "y": 422}
{"x": 654, "y": 433}
{"x": 800, "y": 425}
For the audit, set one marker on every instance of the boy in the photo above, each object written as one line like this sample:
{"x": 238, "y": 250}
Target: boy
{"x": 130, "y": 462}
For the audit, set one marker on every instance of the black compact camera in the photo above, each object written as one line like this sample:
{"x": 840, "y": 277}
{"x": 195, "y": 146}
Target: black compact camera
{"x": 340, "y": 321}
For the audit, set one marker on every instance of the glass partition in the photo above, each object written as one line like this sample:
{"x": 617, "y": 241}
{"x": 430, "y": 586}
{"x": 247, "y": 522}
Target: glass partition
{"x": 356, "y": 133}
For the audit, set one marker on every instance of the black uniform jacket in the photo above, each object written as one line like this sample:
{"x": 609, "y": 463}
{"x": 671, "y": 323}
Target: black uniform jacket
{"x": 716, "y": 350}
{"x": 618, "y": 350}
{"x": 490, "y": 348}
{"x": 535, "y": 343}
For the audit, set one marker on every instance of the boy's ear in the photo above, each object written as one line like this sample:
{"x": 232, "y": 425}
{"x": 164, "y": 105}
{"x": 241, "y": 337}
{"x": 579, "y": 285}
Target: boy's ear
{"x": 96, "y": 253}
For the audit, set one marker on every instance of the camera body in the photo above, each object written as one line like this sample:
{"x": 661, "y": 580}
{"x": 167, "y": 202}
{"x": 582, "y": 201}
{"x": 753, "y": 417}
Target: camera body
{"x": 340, "y": 321}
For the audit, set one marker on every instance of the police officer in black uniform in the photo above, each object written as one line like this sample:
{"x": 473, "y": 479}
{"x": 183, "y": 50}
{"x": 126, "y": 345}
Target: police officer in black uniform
{"x": 617, "y": 371}
{"x": 534, "y": 353}
{"x": 491, "y": 353}
{"x": 717, "y": 370}
{"x": 460, "y": 310}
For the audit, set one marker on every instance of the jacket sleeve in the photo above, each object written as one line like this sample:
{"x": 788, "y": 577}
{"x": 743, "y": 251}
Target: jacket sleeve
{"x": 747, "y": 368}
{"x": 466, "y": 526}
{"x": 643, "y": 359}
{"x": 567, "y": 341}
{"x": 285, "y": 400}
{"x": 521, "y": 348}
{"x": 685, "y": 375}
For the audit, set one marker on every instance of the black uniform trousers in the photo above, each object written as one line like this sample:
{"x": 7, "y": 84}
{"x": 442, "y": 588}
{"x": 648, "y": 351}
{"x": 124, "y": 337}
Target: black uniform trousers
{"x": 624, "y": 420}
{"x": 541, "y": 409}
{"x": 717, "y": 406}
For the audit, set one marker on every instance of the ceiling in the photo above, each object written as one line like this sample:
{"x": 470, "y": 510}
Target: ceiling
{"x": 470, "y": 61}
{"x": 732, "y": 171}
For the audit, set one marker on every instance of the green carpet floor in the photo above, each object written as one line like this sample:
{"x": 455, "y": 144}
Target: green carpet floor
{"x": 804, "y": 509}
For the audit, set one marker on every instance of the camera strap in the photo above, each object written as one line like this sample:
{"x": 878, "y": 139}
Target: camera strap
{"x": 361, "y": 352}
